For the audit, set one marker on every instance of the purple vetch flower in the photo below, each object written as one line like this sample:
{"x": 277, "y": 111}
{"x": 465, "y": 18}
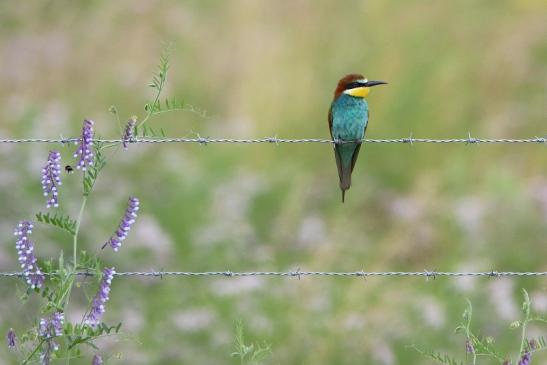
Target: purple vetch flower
{"x": 525, "y": 359}
{"x": 57, "y": 321}
{"x": 129, "y": 132}
{"x": 97, "y": 306}
{"x": 48, "y": 347}
{"x": 53, "y": 326}
{"x": 125, "y": 225}
{"x": 11, "y": 338}
{"x": 48, "y": 329}
{"x": 469, "y": 347}
{"x": 97, "y": 360}
{"x": 25, "y": 249}
{"x": 51, "y": 178}
{"x": 85, "y": 151}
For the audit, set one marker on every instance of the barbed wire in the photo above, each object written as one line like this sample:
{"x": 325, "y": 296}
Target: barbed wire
{"x": 275, "y": 140}
{"x": 298, "y": 273}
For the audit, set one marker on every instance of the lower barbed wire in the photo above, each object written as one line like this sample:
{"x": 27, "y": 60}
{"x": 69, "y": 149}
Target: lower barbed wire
{"x": 298, "y": 273}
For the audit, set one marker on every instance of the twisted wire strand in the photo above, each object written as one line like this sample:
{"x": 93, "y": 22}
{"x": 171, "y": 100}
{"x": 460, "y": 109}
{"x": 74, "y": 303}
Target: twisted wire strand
{"x": 275, "y": 140}
{"x": 299, "y": 274}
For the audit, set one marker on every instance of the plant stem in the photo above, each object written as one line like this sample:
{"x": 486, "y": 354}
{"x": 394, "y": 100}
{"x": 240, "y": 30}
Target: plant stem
{"x": 76, "y": 231}
{"x": 33, "y": 352}
{"x": 151, "y": 107}
{"x": 526, "y": 310}
{"x": 68, "y": 356}
{"x": 523, "y": 337}
{"x": 72, "y": 273}
{"x": 75, "y": 258}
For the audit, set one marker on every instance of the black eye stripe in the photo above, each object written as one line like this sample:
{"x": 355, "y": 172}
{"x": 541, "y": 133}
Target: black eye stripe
{"x": 353, "y": 85}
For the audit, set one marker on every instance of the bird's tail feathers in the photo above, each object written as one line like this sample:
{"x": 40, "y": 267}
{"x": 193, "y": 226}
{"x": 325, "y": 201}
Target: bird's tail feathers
{"x": 345, "y": 180}
{"x": 344, "y": 172}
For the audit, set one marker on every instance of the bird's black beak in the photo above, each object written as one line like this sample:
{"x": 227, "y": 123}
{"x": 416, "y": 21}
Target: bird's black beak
{"x": 374, "y": 83}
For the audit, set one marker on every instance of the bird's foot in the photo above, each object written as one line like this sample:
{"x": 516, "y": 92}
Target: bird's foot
{"x": 358, "y": 141}
{"x": 338, "y": 141}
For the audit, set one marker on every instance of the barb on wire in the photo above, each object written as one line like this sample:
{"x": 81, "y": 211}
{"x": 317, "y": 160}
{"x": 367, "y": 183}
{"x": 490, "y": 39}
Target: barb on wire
{"x": 275, "y": 140}
{"x": 299, "y": 274}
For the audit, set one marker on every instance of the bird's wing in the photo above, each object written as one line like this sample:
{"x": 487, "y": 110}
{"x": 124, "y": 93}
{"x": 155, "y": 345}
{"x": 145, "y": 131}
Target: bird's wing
{"x": 338, "y": 162}
{"x": 358, "y": 147}
{"x": 354, "y": 157}
{"x": 336, "y": 148}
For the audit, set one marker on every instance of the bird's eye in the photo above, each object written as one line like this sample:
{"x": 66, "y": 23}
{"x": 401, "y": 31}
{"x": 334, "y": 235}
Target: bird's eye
{"x": 353, "y": 85}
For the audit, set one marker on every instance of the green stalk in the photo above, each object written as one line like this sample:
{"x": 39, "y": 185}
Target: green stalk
{"x": 75, "y": 258}
{"x": 526, "y": 310}
{"x": 75, "y": 249}
{"x": 76, "y": 230}
{"x": 523, "y": 337}
{"x": 33, "y": 352}
{"x": 151, "y": 107}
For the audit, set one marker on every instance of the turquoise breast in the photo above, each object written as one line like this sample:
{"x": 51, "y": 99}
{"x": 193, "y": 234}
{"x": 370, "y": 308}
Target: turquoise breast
{"x": 349, "y": 117}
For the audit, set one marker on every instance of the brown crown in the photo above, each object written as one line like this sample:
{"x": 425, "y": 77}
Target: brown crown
{"x": 344, "y": 82}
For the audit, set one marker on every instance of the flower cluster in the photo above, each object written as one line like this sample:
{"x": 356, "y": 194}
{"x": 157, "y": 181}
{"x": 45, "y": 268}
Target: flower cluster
{"x": 525, "y": 359}
{"x": 25, "y": 249}
{"x": 97, "y": 306}
{"x": 11, "y": 338}
{"x": 51, "y": 178}
{"x": 48, "y": 329}
{"x": 97, "y": 360}
{"x": 128, "y": 132}
{"x": 469, "y": 346}
{"x": 52, "y": 327}
{"x": 125, "y": 225}
{"x": 85, "y": 151}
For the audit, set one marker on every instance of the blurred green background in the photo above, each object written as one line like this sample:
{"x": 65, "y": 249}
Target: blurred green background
{"x": 265, "y": 68}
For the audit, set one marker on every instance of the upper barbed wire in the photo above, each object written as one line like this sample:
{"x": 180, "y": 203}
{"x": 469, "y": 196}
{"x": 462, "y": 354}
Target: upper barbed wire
{"x": 275, "y": 140}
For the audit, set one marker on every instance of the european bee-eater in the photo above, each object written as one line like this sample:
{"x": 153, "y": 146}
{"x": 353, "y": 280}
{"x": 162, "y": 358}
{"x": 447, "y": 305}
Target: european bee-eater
{"x": 348, "y": 119}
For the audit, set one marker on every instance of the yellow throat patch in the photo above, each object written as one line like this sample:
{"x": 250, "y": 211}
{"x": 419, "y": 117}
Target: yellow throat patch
{"x": 358, "y": 92}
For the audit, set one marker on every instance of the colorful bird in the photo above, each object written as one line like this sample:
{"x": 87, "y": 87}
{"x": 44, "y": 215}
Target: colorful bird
{"x": 348, "y": 119}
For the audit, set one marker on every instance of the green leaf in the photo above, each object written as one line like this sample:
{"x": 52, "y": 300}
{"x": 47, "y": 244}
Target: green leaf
{"x": 58, "y": 220}
{"x": 255, "y": 353}
{"x": 147, "y": 131}
{"x": 91, "y": 174}
{"x": 89, "y": 262}
{"x": 437, "y": 356}
{"x": 485, "y": 346}
{"x": 515, "y": 324}
{"x": 77, "y": 340}
{"x": 91, "y": 344}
